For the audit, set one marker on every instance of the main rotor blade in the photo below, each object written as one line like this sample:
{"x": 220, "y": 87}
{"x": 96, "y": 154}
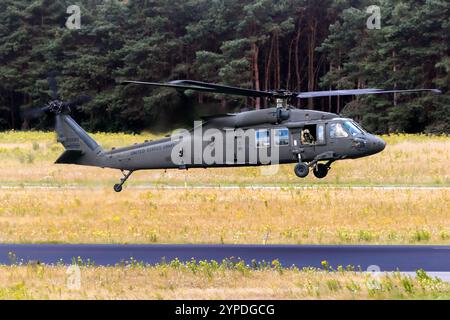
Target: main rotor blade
{"x": 169, "y": 85}
{"x": 206, "y": 87}
{"x": 220, "y": 88}
{"x": 34, "y": 112}
{"x": 351, "y": 92}
{"x": 78, "y": 101}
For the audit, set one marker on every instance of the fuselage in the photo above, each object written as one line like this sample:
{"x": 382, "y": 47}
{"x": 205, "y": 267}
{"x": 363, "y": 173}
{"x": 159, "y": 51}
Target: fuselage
{"x": 251, "y": 138}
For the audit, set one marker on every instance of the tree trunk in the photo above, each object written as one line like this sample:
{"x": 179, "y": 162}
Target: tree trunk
{"x": 277, "y": 77}
{"x": 288, "y": 78}
{"x": 338, "y": 98}
{"x": 297, "y": 63}
{"x": 266, "y": 58}
{"x": 394, "y": 69}
{"x": 223, "y": 104}
{"x": 311, "y": 70}
{"x": 256, "y": 73}
{"x": 329, "y": 88}
{"x": 268, "y": 65}
{"x": 11, "y": 107}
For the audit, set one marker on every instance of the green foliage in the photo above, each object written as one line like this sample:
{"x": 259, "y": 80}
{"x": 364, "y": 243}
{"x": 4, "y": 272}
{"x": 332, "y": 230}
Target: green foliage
{"x": 409, "y": 51}
{"x": 250, "y": 43}
{"x": 421, "y": 235}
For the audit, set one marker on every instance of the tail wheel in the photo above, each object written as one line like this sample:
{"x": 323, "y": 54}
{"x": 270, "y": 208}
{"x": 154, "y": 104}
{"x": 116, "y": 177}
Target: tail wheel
{"x": 117, "y": 187}
{"x": 301, "y": 169}
{"x": 320, "y": 170}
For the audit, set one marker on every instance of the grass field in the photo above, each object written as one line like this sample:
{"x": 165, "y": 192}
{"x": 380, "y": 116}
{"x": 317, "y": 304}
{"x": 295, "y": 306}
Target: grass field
{"x": 320, "y": 216}
{"x": 27, "y": 158}
{"x": 212, "y": 281}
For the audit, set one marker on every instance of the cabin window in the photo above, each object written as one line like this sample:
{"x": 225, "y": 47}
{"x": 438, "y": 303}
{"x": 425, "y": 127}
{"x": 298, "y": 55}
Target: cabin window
{"x": 320, "y": 133}
{"x": 337, "y": 130}
{"x": 262, "y": 138}
{"x": 308, "y": 135}
{"x": 281, "y": 137}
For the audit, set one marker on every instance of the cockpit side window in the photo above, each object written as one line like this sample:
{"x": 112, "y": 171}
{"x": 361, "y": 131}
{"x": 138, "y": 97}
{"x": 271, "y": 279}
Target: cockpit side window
{"x": 350, "y": 127}
{"x": 337, "y": 130}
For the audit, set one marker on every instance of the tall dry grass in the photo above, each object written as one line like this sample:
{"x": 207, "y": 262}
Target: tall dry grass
{"x": 321, "y": 216}
{"x": 166, "y": 282}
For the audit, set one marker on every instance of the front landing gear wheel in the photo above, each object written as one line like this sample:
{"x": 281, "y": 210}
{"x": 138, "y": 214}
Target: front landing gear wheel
{"x": 301, "y": 169}
{"x": 320, "y": 170}
{"x": 117, "y": 187}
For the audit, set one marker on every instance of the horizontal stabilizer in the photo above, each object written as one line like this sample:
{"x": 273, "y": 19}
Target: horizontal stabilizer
{"x": 69, "y": 156}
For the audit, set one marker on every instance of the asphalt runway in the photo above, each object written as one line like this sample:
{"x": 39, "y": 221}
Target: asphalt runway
{"x": 364, "y": 258}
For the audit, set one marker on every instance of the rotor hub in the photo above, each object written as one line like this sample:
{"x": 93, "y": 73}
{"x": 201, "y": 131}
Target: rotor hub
{"x": 56, "y": 106}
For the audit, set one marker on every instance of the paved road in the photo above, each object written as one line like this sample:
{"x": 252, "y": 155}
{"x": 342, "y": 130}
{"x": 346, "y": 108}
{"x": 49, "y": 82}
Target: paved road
{"x": 386, "y": 258}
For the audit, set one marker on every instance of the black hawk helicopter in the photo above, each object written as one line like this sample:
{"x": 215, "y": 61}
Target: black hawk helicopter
{"x": 311, "y": 139}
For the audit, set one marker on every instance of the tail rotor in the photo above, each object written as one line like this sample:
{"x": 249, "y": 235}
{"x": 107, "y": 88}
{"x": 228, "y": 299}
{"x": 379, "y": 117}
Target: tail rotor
{"x": 55, "y": 106}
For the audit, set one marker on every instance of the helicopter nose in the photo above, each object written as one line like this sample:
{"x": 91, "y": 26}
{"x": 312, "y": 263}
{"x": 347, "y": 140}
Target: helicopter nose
{"x": 377, "y": 145}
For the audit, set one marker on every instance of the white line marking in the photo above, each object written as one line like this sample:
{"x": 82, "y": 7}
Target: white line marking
{"x": 444, "y": 276}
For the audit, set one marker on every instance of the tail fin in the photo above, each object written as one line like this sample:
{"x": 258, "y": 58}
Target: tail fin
{"x": 80, "y": 147}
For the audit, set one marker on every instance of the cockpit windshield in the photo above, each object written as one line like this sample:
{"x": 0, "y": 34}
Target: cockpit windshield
{"x": 359, "y": 126}
{"x": 352, "y": 128}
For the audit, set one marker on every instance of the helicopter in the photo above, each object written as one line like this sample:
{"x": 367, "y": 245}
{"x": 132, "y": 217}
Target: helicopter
{"x": 311, "y": 139}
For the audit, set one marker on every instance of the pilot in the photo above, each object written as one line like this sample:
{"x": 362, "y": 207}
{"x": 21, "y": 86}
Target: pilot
{"x": 340, "y": 132}
{"x": 307, "y": 137}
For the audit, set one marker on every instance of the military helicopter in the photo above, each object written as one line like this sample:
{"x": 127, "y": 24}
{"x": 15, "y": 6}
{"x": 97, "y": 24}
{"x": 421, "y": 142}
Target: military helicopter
{"x": 311, "y": 139}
